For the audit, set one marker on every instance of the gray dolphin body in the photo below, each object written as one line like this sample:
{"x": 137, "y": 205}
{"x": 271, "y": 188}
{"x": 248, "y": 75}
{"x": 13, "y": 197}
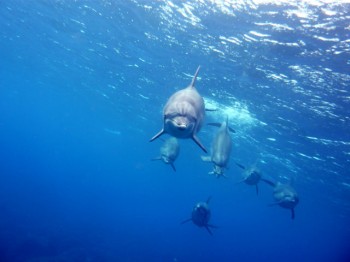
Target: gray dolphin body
{"x": 201, "y": 215}
{"x": 286, "y": 197}
{"x": 252, "y": 176}
{"x": 169, "y": 152}
{"x": 221, "y": 150}
{"x": 184, "y": 114}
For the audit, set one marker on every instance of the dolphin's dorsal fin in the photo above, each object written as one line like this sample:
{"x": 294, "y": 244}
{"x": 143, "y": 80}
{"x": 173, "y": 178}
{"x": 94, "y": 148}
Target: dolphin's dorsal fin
{"x": 194, "y": 78}
{"x": 229, "y": 128}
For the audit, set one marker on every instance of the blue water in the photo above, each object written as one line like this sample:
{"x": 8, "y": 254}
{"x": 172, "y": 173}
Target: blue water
{"x": 82, "y": 87}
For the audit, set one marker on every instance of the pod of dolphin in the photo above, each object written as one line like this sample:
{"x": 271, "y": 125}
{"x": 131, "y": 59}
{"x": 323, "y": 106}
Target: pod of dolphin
{"x": 183, "y": 117}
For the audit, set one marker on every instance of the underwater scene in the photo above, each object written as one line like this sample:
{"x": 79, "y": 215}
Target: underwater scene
{"x": 168, "y": 130}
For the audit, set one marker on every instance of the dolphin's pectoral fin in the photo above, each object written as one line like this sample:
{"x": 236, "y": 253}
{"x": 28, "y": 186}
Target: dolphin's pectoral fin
{"x": 208, "y": 200}
{"x": 156, "y": 158}
{"x": 268, "y": 182}
{"x": 257, "y": 189}
{"x": 293, "y": 213}
{"x": 239, "y": 165}
{"x": 241, "y": 181}
{"x": 195, "y": 139}
{"x": 219, "y": 125}
{"x": 161, "y": 132}
{"x": 231, "y": 130}
{"x": 214, "y": 124}
{"x": 185, "y": 221}
{"x": 208, "y": 229}
{"x": 173, "y": 166}
{"x": 206, "y": 158}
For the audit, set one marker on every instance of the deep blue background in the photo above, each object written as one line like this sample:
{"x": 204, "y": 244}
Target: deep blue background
{"x": 82, "y": 86}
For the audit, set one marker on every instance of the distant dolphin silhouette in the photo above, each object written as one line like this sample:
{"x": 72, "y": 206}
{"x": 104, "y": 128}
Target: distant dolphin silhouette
{"x": 286, "y": 197}
{"x": 221, "y": 149}
{"x": 201, "y": 216}
{"x": 252, "y": 176}
{"x": 169, "y": 151}
{"x": 184, "y": 114}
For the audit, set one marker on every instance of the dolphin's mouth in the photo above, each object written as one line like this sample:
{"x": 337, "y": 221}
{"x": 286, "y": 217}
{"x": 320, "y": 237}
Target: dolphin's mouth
{"x": 166, "y": 159}
{"x": 181, "y": 126}
{"x": 290, "y": 199}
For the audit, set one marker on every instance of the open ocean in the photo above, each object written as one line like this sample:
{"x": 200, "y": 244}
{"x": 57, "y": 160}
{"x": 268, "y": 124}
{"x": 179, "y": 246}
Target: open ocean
{"x": 82, "y": 89}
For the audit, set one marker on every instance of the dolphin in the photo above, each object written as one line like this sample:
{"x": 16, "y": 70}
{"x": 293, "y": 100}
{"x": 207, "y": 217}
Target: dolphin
{"x": 201, "y": 216}
{"x": 183, "y": 114}
{"x": 221, "y": 149}
{"x": 169, "y": 151}
{"x": 285, "y": 196}
{"x": 252, "y": 176}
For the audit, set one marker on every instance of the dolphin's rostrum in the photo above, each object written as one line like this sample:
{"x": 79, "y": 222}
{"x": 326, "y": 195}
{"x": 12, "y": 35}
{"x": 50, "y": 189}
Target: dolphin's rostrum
{"x": 184, "y": 114}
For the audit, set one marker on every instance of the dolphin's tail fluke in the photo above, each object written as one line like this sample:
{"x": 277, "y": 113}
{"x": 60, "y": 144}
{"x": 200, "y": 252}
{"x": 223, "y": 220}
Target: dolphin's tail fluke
{"x": 195, "y": 77}
{"x": 161, "y": 132}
